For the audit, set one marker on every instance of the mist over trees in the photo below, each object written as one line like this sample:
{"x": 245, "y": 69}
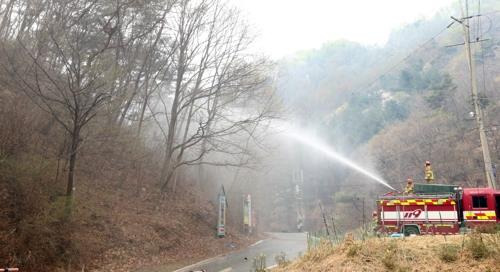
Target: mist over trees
{"x": 120, "y": 95}
{"x": 179, "y": 63}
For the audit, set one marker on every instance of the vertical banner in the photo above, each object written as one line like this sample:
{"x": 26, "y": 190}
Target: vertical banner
{"x": 221, "y": 222}
{"x": 298, "y": 180}
{"x": 247, "y": 213}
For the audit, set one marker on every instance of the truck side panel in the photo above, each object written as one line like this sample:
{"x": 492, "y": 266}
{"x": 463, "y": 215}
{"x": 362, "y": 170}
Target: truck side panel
{"x": 437, "y": 216}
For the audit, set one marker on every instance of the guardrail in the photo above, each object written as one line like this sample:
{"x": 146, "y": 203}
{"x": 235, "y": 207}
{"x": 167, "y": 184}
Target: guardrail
{"x": 314, "y": 239}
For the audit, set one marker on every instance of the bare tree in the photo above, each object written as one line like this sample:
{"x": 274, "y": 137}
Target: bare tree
{"x": 181, "y": 63}
{"x": 69, "y": 62}
{"x": 216, "y": 89}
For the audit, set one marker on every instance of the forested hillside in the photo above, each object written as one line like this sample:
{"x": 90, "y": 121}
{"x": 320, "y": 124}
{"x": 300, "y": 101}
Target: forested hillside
{"x": 113, "y": 115}
{"x": 393, "y": 107}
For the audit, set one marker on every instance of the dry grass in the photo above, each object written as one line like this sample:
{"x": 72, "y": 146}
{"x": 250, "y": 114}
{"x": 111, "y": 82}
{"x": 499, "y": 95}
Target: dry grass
{"x": 474, "y": 252}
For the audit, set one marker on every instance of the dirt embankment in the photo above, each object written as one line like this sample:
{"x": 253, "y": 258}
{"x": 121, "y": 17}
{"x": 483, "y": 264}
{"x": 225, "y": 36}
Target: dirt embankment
{"x": 148, "y": 231}
{"x": 111, "y": 229}
{"x": 475, "y": 252}
{"x": 119, "y": 220}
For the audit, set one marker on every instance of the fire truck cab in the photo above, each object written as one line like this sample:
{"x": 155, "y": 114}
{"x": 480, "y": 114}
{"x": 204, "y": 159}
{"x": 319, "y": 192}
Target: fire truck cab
{"x": 437, "y": 209}
{"x": 480, "y": 205}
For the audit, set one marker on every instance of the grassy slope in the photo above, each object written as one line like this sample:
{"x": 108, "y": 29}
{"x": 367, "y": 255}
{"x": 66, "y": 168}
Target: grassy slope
{"x": 423, "y": 253}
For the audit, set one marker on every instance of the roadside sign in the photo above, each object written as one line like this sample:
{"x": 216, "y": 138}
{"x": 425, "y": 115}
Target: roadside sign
{"x": 221, "y": 221}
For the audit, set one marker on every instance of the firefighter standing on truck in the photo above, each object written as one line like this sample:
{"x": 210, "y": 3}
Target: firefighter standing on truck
{"x": 429, "y": 175}
{"x": 409, "y": 186}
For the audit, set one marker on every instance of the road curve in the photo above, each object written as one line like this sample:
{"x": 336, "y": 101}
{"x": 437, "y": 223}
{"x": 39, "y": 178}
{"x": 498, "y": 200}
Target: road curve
{"x": 292, "y": 244}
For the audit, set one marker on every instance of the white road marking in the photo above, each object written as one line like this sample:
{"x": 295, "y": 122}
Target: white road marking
{"x": 198, "y": 264}
{"x": 256, "y": 243}
{"x": 275, "y": 236}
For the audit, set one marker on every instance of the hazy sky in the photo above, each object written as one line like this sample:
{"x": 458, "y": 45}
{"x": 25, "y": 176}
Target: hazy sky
{"x": 286, "y": 26}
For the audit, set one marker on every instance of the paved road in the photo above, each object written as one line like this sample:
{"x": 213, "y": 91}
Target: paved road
{"x": 290, "y": 243}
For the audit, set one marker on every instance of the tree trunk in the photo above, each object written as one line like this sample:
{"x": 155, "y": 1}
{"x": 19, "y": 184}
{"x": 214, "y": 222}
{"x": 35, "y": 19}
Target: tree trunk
{"x": 75, "y": 139}
{"x": 167, "y": 164}
{"x": 4, "y": 26}
{"x": 211, "y": 115}
{"x": 144, "y": 106}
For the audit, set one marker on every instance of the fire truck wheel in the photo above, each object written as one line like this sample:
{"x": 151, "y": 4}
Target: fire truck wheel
{"x": 409, "y": 230}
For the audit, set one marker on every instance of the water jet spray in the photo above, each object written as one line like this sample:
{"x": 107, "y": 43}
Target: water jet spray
{"x": 325, "y": 149}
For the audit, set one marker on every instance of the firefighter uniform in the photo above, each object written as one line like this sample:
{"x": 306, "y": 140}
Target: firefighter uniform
{"x": 429, "y": 175}
{"x": 409, "y": 186}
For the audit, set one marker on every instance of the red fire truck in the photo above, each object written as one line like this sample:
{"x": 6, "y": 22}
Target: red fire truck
{"x": 437, "y": 209}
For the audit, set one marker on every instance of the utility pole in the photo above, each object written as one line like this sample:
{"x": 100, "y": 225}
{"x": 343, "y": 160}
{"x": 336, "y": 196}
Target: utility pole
{"x": 475, "y": 98}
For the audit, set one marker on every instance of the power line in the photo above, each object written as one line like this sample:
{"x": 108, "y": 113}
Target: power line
{"x": 483, "y": 60}
{"x": 391, "y": 68}
{"x": 478, "y": 26}
{"x": 405, "y": 58}
{"x": 489, "y": 13}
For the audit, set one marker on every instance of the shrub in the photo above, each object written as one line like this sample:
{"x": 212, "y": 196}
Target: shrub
{"x": 448, "y": 253}
{"x": 259, "y": 263}
{"x": 281, "y": 259}
{"x": 493, "y": 242}
{"x": 323, "y": 250}
{"x": 476, "y": 246}
{"x": 353, "y": 250}
{"x": 390, "y": 259}
{"x": 489, "y": 228}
